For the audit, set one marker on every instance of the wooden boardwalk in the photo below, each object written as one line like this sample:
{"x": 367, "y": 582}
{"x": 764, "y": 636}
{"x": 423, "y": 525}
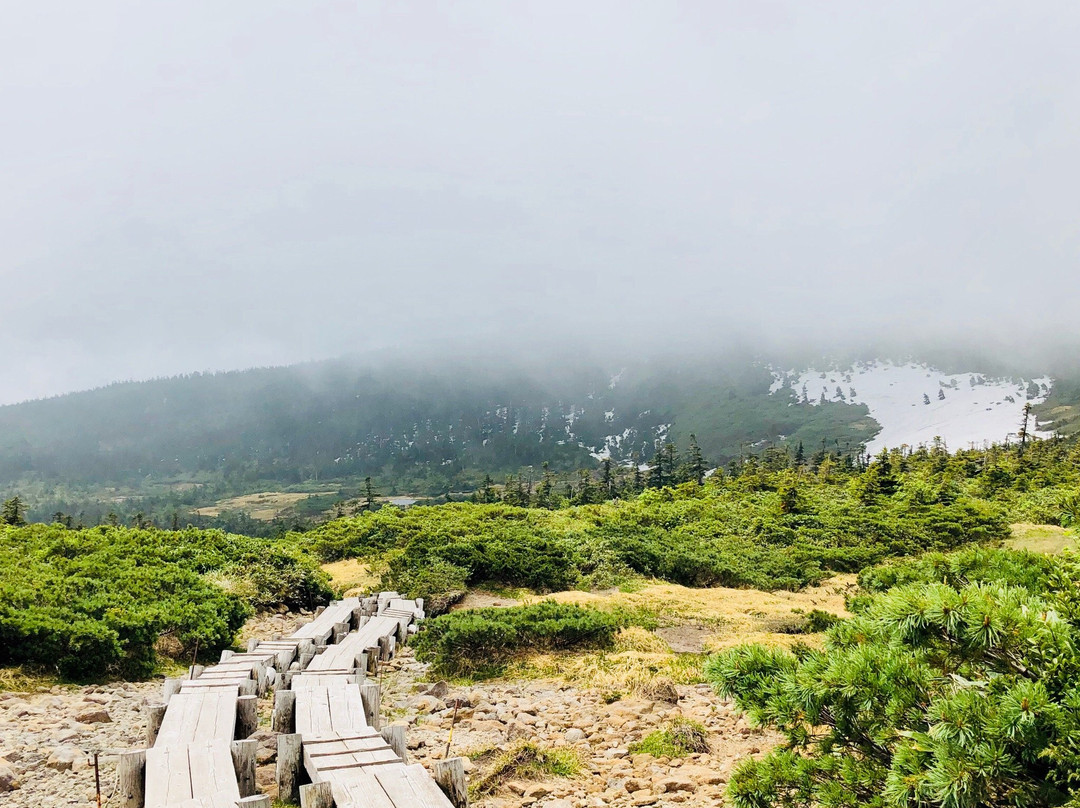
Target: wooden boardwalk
{"x": 198, "y": 757}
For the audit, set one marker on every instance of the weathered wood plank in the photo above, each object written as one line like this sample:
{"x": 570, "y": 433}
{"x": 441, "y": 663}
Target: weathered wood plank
{"x": 411, "y": 786}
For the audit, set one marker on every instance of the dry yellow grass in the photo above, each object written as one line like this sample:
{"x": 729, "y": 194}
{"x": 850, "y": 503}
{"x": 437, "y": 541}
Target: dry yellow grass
{"x": 720, "y": 618}
{"x": 351, "y": 577}
{"x": 265, "y": 505}
{"x": 1041, "y": 538}
{"x": 731, "y": 616}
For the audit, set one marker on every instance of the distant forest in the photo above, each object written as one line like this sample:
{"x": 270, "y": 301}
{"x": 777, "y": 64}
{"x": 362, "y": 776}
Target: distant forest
{"x": 159, "y": 449}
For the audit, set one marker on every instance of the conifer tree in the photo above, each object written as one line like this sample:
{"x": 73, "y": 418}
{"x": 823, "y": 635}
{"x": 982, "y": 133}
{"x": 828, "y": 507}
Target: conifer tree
{"x": 607, "y": 481}
{"x": 13, "y": 511}
{"x": 695, "y": 461}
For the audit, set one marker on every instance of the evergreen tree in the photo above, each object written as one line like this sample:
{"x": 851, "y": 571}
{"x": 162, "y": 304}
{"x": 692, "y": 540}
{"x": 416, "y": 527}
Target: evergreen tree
{"x": 13, "y": 511}
{"x": 586, "y": 494}
{"x": 695, "y": 461}
{"x": 607, "y": 481}
{"x": 369, "y": 495}
{"x": 637, "y": 484}
{"x": 800, "y": 455}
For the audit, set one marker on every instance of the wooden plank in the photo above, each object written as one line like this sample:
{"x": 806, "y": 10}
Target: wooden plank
{"x": 410, "y": 786}
{"x": 178, "y": 779}
{"x": 347, "y": 710}
{"x": 358, "y": 788}
{"x": 347, "y": 760}
{"x": 180, "y": 719}
{"x": 343, "y": 746}
{"x": 212, "y": 772}
{"x": 157, "y": 777}
{"x": 315, "y": 743}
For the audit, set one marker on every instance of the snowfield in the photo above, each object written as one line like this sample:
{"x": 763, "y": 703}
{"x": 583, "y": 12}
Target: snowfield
{"x": 915, "y": 403}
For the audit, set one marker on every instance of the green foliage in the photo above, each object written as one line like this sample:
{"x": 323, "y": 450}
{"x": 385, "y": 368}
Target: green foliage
{"x": 681, "y": 737}
{"x": 480, "y": 642}
{"x": 94, "y": 603}
{"x": 958, "y": 691}
{"x": 779, "y": 529}
{"x": 526, "y": 760}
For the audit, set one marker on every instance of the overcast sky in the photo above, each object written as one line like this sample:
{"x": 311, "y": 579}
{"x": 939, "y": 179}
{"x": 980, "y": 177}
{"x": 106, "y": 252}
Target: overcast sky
{"x": 208, "y": 185}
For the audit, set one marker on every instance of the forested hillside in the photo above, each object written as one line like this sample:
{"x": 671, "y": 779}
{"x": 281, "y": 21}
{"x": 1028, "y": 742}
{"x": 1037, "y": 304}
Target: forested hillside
{"x": 158, "y": 451}
{"x": 417, "y": 430}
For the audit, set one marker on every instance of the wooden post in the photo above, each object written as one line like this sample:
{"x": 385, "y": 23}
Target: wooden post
{"x": 284, "y": 719}
{"x": 260, "y": 677}
{"x": 225, "y": 655}
{"x": 286, "y": 680}
{"x": 306, "y": 647}
{"x": 450, "y": 775}
{"x": 357, "y": 613}
{"x": 247, "y": 716}
{"x": 385, "y": 649}
{"x": 284, "y": 658}
{"x": 131, "y": 779}
{"x": 155, "y": 713}
{"x": 360, "y": 662}
{"x": 271, "y": 679}
{"x": 305, "y": 659}
{"x": 420, "y": 605}
{"x": 249, "y": 687}
{"x": 195, "y": 671}
{"x": 252, "y": 644}
{"x": 169, "y": 688}
{"x": 319, "y": 611}
{"x": 290, "y": 753}
{"x": 243, "y": 758}
{"x": 372, "y": 658}
{"x": 316, "y": 795}
{"x": 364, "y": 620}
{"x": 369, "y": 695}
{"x": 394, "y": 735}
{"x": 256, "y": 801}
{"x": 340, "y": 630}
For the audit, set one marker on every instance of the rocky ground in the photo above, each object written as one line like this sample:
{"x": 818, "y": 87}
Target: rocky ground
{"x": 552, "y": 713}
{"x": 47, "y": 739}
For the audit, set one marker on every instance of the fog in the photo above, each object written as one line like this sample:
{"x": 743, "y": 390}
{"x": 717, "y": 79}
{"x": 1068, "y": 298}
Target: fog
{"x": 213, "y": 185}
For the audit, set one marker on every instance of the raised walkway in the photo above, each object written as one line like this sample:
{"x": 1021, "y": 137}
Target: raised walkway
{"x": 331, "y": 750}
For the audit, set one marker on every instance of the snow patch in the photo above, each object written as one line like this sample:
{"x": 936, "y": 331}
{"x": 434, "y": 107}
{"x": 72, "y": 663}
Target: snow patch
{"x": 914, "y": 403}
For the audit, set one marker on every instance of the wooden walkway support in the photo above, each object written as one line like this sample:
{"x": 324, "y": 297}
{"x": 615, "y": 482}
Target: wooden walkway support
{"x": 325, "y": 710}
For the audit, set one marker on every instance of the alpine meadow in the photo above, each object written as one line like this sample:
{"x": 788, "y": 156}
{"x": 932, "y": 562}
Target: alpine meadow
{"x": 598, "y": 404}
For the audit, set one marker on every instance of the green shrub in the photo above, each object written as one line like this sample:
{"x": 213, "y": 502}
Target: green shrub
{"x": 681, "y": 737}
{"x": 525, "y": 760}
{"x": 480, "y": 642}
{"x": 957, "y": 694}
{"x": 94, "y": 603}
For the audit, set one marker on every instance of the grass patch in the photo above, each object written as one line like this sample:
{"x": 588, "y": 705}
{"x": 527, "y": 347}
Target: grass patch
{"x": 1045, "y": 539}
{"x": 27, "y": 679}
{"x": 351, "y": 576}
{"x": 528, "y": 761}
{"x": 680, "y": 738}
{"x": 622, "y": 673}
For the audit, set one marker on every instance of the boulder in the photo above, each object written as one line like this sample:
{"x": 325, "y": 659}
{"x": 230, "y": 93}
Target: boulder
{"x": 8, "y": 780}
{"x": 94, "y": 715}
{"x": 64, "y": 758}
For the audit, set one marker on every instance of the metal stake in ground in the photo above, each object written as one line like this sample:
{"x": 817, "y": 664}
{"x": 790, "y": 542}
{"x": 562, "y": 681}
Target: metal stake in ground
{"x": 97, "y": 780}
{"x": 194, "y": 659}
{"x": 453, "y": 721}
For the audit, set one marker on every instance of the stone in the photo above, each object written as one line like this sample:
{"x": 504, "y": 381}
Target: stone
{"x": 535, "y": 791}
{"x": 574, "y": 735}
{"x": 95, "y": 715}
{"x": 64, "y": 758}
{"x": 679, "y": 782}
{"x": 438, "y": 690}
{"x": 8, "y": 780}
